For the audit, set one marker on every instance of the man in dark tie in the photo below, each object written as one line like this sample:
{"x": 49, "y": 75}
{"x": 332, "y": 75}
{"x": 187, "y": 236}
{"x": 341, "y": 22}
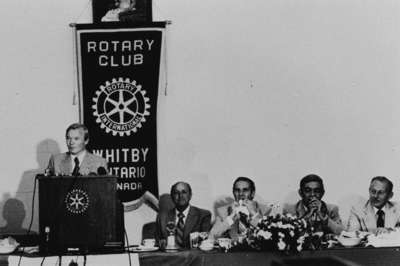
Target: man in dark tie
{"x": 379, "y": 214}
{"x": 77, "y": 161}
{"x": 186, "y": 218}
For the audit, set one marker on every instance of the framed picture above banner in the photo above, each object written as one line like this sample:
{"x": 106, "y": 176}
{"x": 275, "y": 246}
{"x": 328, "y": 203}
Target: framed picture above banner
{"x": 122, "y": 11}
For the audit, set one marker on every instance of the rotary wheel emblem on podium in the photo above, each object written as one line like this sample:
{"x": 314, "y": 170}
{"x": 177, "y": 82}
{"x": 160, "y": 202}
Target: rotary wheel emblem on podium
{"x": 77, "y": 201}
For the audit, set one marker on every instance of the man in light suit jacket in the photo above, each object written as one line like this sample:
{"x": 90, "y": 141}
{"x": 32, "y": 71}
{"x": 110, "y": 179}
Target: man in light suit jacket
{"x": 379, "y": 214}
{"x": 323, "y": 217}
{"x": 77, "y": 161}
{"x": 233, "y": 220}
{"x": 185, "y": 218}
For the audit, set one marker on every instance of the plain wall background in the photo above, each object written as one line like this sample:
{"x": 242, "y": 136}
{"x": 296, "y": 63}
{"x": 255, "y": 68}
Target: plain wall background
{"x": 273, "y": 90}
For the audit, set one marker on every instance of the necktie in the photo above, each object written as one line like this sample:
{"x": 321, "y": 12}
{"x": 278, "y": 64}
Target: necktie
{"x": 75, "y": 172}
{"x": 179, "y": 230}
{"x": 380, "y": 222}
{"x": 242, "y": 229}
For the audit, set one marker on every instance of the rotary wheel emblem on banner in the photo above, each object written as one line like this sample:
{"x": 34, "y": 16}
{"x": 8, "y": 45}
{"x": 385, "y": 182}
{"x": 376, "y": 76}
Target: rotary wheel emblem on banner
{"x": 120, "y": 106}
{"x": 77, "y": 201}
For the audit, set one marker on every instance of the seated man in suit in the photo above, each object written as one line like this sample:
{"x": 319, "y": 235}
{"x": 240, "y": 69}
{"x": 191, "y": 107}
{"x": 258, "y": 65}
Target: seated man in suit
{"x": 234, "y": 219}
{"x": 77, "y": 161}
{"x": 323, "y": 217}
{"x": 379, "y": 214}
{"x": 186, "y": 218}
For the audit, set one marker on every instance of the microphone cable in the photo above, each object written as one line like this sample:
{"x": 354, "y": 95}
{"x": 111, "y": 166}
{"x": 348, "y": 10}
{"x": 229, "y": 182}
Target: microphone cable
{"x": 41, "y": 264}
{"x": 32, "y": 214}
{"x": 127, "y": 243}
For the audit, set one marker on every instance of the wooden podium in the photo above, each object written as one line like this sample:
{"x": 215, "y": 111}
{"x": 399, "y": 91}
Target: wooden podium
{"x": 81, "y": 214}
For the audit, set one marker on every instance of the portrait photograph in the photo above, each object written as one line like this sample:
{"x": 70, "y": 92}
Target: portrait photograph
{"x": 130, "y": 11}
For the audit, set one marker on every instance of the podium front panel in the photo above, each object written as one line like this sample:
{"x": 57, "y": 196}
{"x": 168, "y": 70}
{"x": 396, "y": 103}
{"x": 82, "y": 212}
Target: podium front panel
{"x": 80, "y": 213}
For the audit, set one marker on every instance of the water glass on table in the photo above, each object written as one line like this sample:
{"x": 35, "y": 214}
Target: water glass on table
{"x": 194, "y": 240}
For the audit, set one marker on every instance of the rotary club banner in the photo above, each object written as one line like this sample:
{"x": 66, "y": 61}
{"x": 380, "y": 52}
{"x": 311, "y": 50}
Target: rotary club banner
{"x": 118, "y": 76}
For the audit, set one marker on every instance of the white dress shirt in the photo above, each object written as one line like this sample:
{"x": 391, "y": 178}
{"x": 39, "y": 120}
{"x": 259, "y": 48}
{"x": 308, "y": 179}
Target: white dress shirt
{"x": 185, "y": 213}
{"x": 80, "y": 158}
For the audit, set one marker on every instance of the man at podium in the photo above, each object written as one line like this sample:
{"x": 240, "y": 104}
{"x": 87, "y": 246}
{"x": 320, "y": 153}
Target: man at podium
{"x": 77, "y": 161}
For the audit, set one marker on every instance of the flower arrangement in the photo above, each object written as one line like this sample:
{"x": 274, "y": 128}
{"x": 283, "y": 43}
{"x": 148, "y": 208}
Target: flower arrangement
{"x": 279, "y": 232}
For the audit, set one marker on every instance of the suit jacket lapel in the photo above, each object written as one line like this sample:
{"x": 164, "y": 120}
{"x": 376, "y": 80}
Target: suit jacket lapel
{"x": 84, "y": 167}
{"x": 390, "y": 215}
{"x": 300, "y": 209}
{"x": 65, "y": 165}
{"x": 370, "y": 219}
{"x": 190, "y": 222}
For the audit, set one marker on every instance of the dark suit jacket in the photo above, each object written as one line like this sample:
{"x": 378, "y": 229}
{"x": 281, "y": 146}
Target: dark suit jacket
{"x": 198, "y": 220}
{"x": 60, "y": 164}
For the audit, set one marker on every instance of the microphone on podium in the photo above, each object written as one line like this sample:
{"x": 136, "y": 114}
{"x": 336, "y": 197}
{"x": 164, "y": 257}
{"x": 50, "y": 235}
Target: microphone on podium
{"x": 48, "y": 172}
{"x": 101, "y": 171}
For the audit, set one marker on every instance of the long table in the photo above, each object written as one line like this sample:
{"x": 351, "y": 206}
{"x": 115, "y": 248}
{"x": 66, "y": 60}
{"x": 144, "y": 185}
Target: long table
{"x": 348, "y": 256}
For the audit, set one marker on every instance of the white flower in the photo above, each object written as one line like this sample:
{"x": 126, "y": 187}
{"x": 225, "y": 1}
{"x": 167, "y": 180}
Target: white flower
{"x": 304, "y": 222}
{"x": 291, "y": 233}
{"x": 290, "y": 216}
{"x": 299, "y": 247}
{"x": 281, "y": 234}
{"x": 300, "y": 240}
{"x": 265, "y": 234}
{"x": 281, "y": 245}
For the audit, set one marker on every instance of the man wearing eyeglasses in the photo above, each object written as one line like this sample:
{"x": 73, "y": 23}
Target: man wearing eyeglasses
{"x": 379, "y": 214}
{"x": 323, "y": 217}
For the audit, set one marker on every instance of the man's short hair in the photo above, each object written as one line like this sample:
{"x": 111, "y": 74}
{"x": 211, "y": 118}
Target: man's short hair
{"x": 245, "y": 179}
{"x": 181, "y": 182}
{"x": 311, "y": 178}
{"x": 78, "y": 126}
{"x": 389, "y": 184}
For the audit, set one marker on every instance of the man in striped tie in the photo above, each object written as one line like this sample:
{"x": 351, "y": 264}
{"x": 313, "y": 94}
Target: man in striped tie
{"x": 187, "y": 218}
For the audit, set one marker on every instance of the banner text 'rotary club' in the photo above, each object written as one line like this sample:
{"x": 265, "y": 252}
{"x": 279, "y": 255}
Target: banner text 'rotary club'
{"x": 120, "y": 53}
